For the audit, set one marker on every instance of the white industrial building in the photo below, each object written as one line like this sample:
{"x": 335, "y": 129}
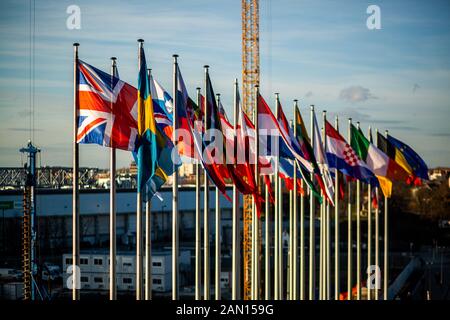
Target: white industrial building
{"x": 94, "y": 269}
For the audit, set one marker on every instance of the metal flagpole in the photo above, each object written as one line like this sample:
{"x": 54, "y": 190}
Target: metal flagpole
{"x": 267, "y": 241}
{"x": 75, "y": 185}
{"x": 291, "y": 235}
{"x": 386, "y": 245}
{"x": 321, "y": 250}
{"x": 349, "y": 231}
{"x": 327, "y": 227}
{"x": 369, "y": 231}
{"x": 276, "y": 277}
{"x": 312, "y": 242}
{"x": 139, "y": 223}
{"x": 218, "y": 240}
{"x": 175, "y": 226}
{"x": 302, "y": 243}
{"x": 291, "y": 244}
{"x": 236, "y": 216}
{"x": 148, "y": 242}
{"x": 328, "y": 257}
{"x": 377, "y": 237}
{"x": 358, "y": 237}
{"x": 148, "y": 249}
{"x": 206, "y": 282}
{"x": 255, "y": 235}
{"x": 198, "y": 238}
{"x": 336, "y": 229}
{"x": 112, "y": 209}
{"x": 280, "y": 240}
{"x": 295, "y": 223}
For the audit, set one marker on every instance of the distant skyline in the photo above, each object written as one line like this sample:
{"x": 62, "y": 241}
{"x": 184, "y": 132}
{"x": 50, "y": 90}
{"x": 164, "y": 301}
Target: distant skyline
{"x": 320, "y": 52}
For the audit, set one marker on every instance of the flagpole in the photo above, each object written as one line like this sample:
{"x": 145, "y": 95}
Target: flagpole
{"x": 328, "y": 257}
{"x": 206, "y": 282}
{"x": 312, "y": 242}
{"x": 358, "y": 237}
{"x": 386, "y": 244}
{"x": 75, "y": 185}
{"x": 291, "y": 236}
{"x": 236, "y": 239}
{"x": 112, "y": 209}
{"x": 295, "y": 243}
{"x": 322, "y": 268}
{"x": 321, "y": 250}
{"x": 139, "y": 221}
{"x": 255, "y": 215}
{"x": 148, "y": 241}
{"x": 377, "y": 244}
{"x": 218, "y": 242}
{"x": 377, "y": 234}
{"x": 267, "y": 241}
{"x": 175, "y": 226}
{"x": 326, "y": 225}
{"x": 302, "y": 243}
{"x": 198, "y": 249}
{"x": 280, "y": 240}
{"x": 336, "y": 228}
{"x": 148, "y": 249}
{"x": 349, "y": 231}
{"x": 291, "y": 244}
{"x": 369, "y": 229}
{"x": 276, "y": 221}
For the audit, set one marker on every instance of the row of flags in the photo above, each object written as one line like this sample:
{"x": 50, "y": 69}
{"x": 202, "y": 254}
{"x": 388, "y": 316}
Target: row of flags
{"x": 115, "y": 114}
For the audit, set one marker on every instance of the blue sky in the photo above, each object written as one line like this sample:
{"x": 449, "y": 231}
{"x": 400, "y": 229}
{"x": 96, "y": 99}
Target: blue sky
{"x": 320, "y": 52}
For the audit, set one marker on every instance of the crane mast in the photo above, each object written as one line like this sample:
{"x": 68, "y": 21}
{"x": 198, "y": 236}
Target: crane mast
{"x": 250, "y": 78}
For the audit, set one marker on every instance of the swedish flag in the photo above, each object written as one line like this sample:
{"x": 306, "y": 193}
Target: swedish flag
{"x": 146, "y": 148}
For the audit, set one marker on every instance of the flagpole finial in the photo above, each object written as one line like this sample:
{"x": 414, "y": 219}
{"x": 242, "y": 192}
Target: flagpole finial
{"x": 235, "y": 80}
{"x": 198, "y": 88}
{"x": 206, "y": 66}
{"x": 113, "y": 58}
{"x": 295, "y": 100}
{"x": 312, "y": 107}
{"x": 140, "y": 40}
{"x": 76, "y": 44}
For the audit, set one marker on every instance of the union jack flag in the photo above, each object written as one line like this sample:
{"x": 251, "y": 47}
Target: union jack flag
{"x": 107, "y": 109}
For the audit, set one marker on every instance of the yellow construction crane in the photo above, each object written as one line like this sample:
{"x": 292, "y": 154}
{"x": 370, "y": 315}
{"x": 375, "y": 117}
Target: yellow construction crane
{"x": 250, "y": 78}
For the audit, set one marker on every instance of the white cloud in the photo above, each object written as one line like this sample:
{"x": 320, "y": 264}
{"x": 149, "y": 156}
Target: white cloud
{"x": 356, "y": 94}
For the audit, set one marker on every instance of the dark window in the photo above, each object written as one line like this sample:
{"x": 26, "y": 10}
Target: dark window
{"x": 68, "y": 260}
{"x": 84, "y": 279}
{"x": 127, "y": 280}
{"x": 98, "y": 280}
{"x": 157, "y": 281}
{"x": 98, "y": 262}
{"x": 157, "y": 264}
{"x": 84, "y": 261}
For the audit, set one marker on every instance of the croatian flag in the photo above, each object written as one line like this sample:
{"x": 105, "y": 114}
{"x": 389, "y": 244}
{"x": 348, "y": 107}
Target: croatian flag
{"x": 341, "y": 156}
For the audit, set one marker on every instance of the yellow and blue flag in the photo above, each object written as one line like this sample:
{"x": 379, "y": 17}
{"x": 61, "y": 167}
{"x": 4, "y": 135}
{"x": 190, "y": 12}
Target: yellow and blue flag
{"x": 146, "y": 145}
